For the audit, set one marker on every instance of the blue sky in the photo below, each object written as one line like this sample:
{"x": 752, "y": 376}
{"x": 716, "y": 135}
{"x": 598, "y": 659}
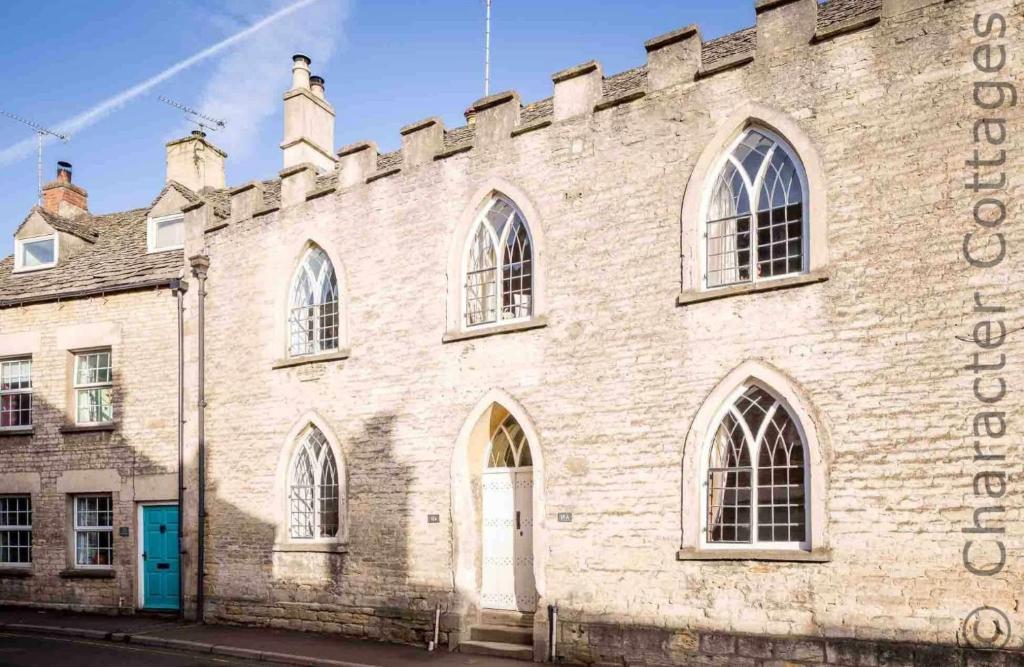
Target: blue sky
{"x": 386, "y": 62}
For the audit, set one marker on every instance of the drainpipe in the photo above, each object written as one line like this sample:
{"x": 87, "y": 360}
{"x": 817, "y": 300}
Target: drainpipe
{"x": 552, "y": 632}
{"x": 178, "y": 289}
{"x": 200, "y": 265}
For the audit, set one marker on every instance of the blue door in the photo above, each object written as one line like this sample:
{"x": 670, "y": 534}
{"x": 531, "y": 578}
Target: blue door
{"x": 160, "y": 557}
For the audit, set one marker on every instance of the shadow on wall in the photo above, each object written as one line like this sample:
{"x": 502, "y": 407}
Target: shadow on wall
{"x": 366, "y": 590}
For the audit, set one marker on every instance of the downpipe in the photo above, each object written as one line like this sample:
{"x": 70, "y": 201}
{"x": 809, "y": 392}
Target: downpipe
{"x": 552, "y": 632}
{"x": 200, "y": 266}
{"x": 178, "y": 289}
{"x": 437, "y": 628}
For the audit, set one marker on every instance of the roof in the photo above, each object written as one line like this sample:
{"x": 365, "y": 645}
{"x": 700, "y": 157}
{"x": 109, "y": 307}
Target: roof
{"x": 117, "y": 260}
{"x": 75, "y": 226}
{"x": 836, "y": 12}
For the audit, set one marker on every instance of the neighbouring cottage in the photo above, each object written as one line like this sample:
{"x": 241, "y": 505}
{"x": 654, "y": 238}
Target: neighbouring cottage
{"x": 671, "y": 357}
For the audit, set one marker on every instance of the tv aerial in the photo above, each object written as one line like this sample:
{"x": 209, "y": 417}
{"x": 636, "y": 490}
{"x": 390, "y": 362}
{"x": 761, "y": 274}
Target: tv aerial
{"x": 202, "y": 121}
{"x": 41, "y": 134}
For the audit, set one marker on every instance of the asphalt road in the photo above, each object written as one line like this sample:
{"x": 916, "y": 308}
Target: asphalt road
{"x": 38, "y": 651}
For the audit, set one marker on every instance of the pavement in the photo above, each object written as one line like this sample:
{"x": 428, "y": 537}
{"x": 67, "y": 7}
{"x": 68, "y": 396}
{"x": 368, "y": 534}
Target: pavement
{"x": 28, "y": 636}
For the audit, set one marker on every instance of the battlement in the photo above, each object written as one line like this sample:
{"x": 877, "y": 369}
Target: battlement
{"x": 675, "y": 58}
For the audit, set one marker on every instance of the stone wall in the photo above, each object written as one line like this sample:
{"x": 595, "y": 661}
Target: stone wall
{"x": 613, "y": 381}
{"x": 134, "y": 462}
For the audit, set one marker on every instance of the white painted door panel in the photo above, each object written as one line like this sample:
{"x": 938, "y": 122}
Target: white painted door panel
{"x": 525, "y": 586}
{"x": 498, "y": 589}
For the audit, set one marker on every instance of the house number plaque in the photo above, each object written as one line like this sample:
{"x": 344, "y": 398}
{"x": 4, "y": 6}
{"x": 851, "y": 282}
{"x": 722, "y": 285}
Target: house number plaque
{"x": 433, "y": 518}
{"x": 565, "y": 517}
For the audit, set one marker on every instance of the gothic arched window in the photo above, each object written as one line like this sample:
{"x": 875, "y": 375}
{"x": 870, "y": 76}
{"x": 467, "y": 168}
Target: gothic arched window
{"x": 314, "y": 320}
{"x": 756, "y": 484}
{"x": 313, "y": 498}
{"x": 498, "y": 266}
{"x": 756, "y": 220}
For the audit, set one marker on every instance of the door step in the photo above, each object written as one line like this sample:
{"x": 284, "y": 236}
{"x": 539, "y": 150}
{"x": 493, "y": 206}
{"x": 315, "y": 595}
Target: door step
{"x": 506, "y": 634}
{"x": 497, "y": 649}
{"x": 510, "y": 618}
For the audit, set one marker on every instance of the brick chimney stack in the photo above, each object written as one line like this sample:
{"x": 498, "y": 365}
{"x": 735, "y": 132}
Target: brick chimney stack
{"x": 61, "y": 197}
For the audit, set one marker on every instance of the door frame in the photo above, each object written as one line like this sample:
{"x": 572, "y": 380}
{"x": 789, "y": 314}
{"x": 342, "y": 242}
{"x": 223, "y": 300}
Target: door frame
{"x": 467, "y": 466}
{"x": 140, "y": 572}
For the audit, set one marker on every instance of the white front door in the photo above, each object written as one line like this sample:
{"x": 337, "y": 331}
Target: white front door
{"x": 508, "y": 581}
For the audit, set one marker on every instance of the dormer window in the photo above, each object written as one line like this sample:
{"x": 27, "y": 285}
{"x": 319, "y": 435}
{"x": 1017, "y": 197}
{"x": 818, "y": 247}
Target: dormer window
{"x": 35, "y": 253}
{"x": 166, "y": 233}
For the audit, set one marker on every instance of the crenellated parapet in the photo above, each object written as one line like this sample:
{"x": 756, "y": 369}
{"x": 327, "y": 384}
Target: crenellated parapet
{"x": 675, "y": 58}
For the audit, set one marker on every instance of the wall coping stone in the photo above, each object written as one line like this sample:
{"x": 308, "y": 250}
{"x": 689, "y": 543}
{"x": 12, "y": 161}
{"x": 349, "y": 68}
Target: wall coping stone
{"x": 670, "y": 38}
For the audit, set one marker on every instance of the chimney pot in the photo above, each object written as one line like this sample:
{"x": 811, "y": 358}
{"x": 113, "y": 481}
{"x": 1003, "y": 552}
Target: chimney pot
{"x": 300, "y": 71}
{"x": 64, "y": 172}
{"x": 316, "y": 84}
{"x": 199, "y": 133}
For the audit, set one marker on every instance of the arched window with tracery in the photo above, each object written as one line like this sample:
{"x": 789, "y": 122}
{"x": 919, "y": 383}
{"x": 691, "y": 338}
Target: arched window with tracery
{"x": 756, "y": 219}
{"x": 499, "y": 267}
{"x": 756, "y": 477}
{"x": 314, "y": 317}
{"x": 509, "y": 446}
{"x": 313, "y": 497}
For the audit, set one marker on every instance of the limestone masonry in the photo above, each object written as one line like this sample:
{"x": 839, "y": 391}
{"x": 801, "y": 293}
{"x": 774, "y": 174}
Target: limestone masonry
{"x": 360, "y": 378}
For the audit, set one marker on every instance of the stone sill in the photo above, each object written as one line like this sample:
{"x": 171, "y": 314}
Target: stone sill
{"x": 537, "y": 322}
{"x": 15, "y": 572}
{"x": 89, "y": 428}
{"x": 98, "y": 573}
{"x": 21, "y": 431}
{"x": 307, "y": 360}
{"x": 311, "y": 548}
{"x": 777, "y": 555}
{"x": 691, "y": 297}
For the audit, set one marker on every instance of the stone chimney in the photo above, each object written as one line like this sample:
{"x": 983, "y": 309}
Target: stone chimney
{"x": 63, "y": 198}
{"x": 195, "y": 162}
{"x": 308, "y": 120}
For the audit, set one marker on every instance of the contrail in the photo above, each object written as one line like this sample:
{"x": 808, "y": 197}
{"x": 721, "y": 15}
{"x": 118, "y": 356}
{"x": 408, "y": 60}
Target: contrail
{"x": 83, "y": 120}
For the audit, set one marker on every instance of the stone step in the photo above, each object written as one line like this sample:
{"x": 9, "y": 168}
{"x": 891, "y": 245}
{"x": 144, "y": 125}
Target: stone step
{"x": 509, "y": 618}
{"x": 507, "y": 634}
{"x": 497, "y": 649}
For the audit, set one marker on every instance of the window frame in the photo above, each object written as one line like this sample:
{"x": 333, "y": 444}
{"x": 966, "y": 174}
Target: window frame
{"x": 298, "y": 273}
{"x": 12, "y": 528}
{"x": 76, "y": 529}
{"x": 19, "y": 392}
{"x": 299, "y": 447}
{"x": 151, "y": 228}
{"x": 19, "y": 251}
{"x": 707, "y": 193}
{"x": 754, "y": 544}
{"x": 77, "y": 388}
{"x": 499, "y": 269}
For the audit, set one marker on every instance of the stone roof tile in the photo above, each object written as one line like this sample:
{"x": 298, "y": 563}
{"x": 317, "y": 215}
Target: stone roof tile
{"x": 118, "y": 260}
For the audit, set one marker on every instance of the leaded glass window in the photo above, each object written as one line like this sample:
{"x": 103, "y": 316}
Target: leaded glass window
{"x": 314, "y": 317}
{"x": 313, "y": 499}
{"x": 509, "y": 446}
{"x": 756, "y": 219}
{"x": 755, "y": 476}
{"x": 499, "y": 266}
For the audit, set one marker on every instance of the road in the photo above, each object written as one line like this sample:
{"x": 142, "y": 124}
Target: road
{"x": 39, "y": 651}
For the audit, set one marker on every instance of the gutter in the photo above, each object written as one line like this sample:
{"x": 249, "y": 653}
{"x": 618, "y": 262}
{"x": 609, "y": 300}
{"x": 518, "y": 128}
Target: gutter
{"x": 86, "y": 293}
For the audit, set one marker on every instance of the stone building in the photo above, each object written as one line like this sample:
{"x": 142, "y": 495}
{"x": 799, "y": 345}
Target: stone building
{"x": 705, "y": 356}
